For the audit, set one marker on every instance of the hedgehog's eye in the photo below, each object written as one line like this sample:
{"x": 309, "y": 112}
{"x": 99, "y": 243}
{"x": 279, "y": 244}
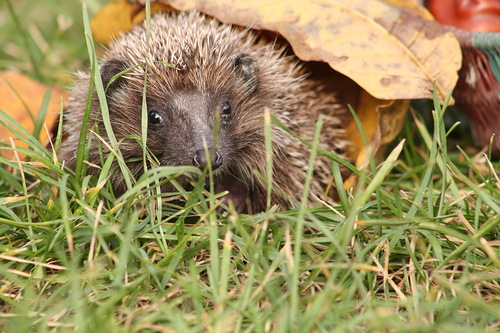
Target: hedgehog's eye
{"x": 226, "y": 109}
{"x": 155, "y": 118}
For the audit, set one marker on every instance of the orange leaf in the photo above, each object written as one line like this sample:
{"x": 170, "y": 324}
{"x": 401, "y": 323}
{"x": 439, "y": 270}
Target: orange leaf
{"x": 111, "y": 20}
{"x": 381, "y": 120}
{"x": 21, "y": 97}
{"x": 155, "y": 8}
{"x": 120, "y": 16}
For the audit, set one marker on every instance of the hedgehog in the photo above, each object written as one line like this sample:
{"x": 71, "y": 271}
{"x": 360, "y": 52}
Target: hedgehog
{"x": 200, "y": 75}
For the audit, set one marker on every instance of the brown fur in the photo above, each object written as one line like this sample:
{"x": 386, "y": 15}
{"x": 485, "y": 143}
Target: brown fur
{"x": 215, "y": 65}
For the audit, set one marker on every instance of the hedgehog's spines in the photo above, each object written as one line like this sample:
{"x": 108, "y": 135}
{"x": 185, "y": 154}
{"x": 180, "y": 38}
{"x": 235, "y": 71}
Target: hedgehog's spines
{"x": 214, "y": 65}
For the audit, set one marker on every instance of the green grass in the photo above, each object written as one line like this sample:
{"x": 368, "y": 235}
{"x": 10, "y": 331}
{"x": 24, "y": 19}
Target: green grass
{"x": 414, "y": 248}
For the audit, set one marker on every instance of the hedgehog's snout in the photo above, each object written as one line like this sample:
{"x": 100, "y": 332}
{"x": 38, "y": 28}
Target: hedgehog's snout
{"x": 201, "y": 158}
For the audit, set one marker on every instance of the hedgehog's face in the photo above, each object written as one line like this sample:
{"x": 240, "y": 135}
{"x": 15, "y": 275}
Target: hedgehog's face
{"x": 218, "y": 123}
{"x": 190, "y": 123}
{"x": 190, "y": 128}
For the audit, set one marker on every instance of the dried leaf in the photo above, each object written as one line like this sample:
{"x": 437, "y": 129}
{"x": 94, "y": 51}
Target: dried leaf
{"x": 111, "y": 20}
{"x": 21, "y": 97}
{"x": 390, "y": 51}
{"x": 120, "y": 16}
{"x": 155, "y": 7}
{"x": 381, "y": 121}
{"x": 380, "y": 127}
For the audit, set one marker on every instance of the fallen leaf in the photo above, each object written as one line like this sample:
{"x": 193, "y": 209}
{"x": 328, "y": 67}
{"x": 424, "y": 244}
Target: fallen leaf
{"x": 21, "y": 97}
{"x": 392, "y": 52}
{"x": 111, "y": 20}
{"x": 380, "y": 127}
{"x": 155, "y": 8}
{"x": 381, "y": 121}
{"x": 118, "y": 17}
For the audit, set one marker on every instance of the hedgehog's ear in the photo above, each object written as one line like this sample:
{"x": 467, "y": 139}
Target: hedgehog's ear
{"x": 247, "y": 67}
{"x": 109, "y": 69}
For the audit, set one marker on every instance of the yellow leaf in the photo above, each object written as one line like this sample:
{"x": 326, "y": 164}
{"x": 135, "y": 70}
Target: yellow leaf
{"x": 120, "y": 16}
{"x": 366, "y": 112}
{"x": 155, "y": 8}
{"x": 381, "y": 120}
{"x": 111, "y": 20}
{"x": 392, "y": 52}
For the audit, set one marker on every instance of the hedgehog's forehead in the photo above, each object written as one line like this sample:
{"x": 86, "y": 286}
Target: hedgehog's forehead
{"x": 186, "y": 41}
{"x": 203, "y": 69}
{"x": 205, "y": 76}
{"x": 187, "y": 57}
{"x": 185, "y": 52}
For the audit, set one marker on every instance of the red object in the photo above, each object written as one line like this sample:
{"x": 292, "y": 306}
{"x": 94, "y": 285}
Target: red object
{"x": 477, "y": 93}
{"x": 472, "y": 15}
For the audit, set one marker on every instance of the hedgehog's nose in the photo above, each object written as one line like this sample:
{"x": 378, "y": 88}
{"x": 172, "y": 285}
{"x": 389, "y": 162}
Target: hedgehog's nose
{"x": 200, "y": 159}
